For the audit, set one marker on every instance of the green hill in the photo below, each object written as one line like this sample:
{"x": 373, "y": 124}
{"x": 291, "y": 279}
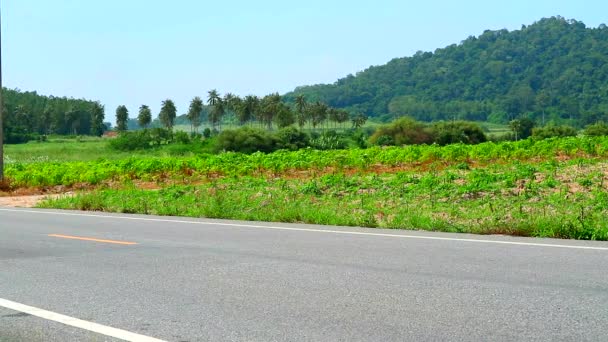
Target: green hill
{"x": 553, "y": 70}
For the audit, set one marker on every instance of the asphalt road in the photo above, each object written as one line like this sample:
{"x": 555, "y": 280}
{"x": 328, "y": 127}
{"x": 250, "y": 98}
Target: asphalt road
{"x": 205, "y": 280}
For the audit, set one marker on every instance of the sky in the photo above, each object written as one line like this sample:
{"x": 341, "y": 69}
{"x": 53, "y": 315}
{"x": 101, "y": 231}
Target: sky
{"x": 134, "y": 52}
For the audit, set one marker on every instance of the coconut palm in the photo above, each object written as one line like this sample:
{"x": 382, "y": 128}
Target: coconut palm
{"x": 217, "y": 108}
{"x": 301, "y": 110}
{"x": 194, "y": 113}
{"x": 168, "y": 113}
{"x": 144, "y": 118}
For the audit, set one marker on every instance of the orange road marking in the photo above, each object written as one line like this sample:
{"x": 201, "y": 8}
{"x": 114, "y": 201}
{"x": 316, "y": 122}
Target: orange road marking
{"x": 92, "y": 239}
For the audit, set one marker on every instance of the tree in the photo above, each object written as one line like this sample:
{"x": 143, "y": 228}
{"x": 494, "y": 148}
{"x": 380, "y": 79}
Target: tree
{"x": 284, "y": 116}
{"x": 194, "y": 113}
{"x": 270, "y": 106}
{"x": 359, "y": 120}
{"x": 144, "y": 118}
{"x": 318, "y": 113}
{"x": 122, "y": 117}
{"x": 231, "y": 102}
{"x": 97, "y": 116}
{"x": 168, "y": 113}
{"x": 522, "y": 128}
{"x": 543, "y": 100}
{"x": 218, "y": 110}
{"x": 24, "y": 118}
{"x": 72, "y": 118}
{"x": 515, "y": 126}
{"x": 555, "y": 69}
{"x": 250, "y": 109}
{"x": 301, "y": 110}
{"x": 332, "y": 115}
{"x": 343, "y": 116}
{"x": 45, "y": 121}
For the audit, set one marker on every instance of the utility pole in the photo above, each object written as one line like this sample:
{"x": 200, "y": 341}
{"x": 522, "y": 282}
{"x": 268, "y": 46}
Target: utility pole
{"x": 1, "y": 108}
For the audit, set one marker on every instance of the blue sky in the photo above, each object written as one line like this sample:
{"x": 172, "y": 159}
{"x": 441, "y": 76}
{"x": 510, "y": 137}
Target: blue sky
{"x": 137, "y": 52}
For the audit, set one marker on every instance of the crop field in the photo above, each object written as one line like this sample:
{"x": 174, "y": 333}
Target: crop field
{"x": 550, "y": 188}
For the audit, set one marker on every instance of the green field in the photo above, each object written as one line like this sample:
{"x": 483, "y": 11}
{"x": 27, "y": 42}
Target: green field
{"x": 66, "y": 150}
{"x": 549, "y": 188}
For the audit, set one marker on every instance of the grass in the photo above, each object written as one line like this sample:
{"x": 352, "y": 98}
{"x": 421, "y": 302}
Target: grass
{"x": 68, "y": 150}
{"x": 567, "y": 200}
{"x": 554, "y": 188}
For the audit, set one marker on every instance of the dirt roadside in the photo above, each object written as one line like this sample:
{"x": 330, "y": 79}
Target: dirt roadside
{"x": 24, "y": 201}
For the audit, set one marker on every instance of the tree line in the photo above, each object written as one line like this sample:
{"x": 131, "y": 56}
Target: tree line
{"x": 553, "y": 71}
{"x": 265, "y": 112}
{"x": 28, "y": 115}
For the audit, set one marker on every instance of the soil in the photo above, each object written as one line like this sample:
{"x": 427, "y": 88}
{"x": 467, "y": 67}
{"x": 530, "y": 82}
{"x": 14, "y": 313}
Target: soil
{"x": 24, "y": 201}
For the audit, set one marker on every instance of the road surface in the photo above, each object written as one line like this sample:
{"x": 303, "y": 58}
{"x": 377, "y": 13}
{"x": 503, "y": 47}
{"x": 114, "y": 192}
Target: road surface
{"x": 68, "y": 276}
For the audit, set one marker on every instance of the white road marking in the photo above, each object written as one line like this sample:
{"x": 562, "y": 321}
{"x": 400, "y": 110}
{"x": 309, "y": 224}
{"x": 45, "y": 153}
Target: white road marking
{"x": 77, "y": 323}
{"x": 326, "y": 231}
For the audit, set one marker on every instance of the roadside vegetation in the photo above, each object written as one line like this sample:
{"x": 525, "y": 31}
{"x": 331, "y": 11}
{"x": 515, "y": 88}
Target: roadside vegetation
{"x": 553, "y": 187}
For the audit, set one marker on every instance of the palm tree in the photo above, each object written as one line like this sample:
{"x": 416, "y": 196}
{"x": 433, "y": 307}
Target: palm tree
{"x": 333, "y": 114}
{"x": 145, "y": 116}
{"x": 301, "y": 110}
{"x": 168, "y": 113}
{"x": 230, "y": 101}
{"x": 194, "y": 113}
{"x": 269, "y": 108}
{"x": 217, "y": 108}
{"x": 251, "y": 107}
{"x": 359, "y": 120}
{"x": 318, "y": 113}
{"x": 343, "y": 117}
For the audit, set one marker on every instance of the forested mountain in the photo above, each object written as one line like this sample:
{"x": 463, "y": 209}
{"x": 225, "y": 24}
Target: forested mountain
{"x": 553, "y": 70}
{"x": 28, "y": 113}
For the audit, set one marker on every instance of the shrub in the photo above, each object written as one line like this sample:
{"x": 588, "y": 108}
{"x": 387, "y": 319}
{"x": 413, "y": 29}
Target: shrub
{"x": 329, "y": 140}
{"x": 553, "y": 132}
{"x": 207, "y": 133}
{"x": 465, "y": 132}
{"x": 20, "y": 138}
{"x": 359, "y": 138}
{"x": 292, "y": 139}
{"x": 181, "y": 137}
{"x": 246, "y": 140}
{"x": 405, "y": 131}
{"x": 130, "y": 141}
{"x": 597, "y": 129}
{"x": 141, "y": 140}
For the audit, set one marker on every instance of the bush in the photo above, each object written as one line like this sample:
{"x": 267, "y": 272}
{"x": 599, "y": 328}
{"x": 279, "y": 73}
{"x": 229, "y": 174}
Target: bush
{"x": 553, "y": 132}
{"x": 292, "y": 139}
{"x": 445, "y": 133}
{"x": 181, "y": 137}
{"x": 131, "y": 141}
{"x": 359, "y": 138}
{"x": 405, "y": 131}
{"x": 246, "y": 140}
{"x": 141, "y": 140}
{"x": 207, "y": 133}
{"x": 329, "y": 140}
{"x": 385, "y": 140}
{"x": 597, "y": 129}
